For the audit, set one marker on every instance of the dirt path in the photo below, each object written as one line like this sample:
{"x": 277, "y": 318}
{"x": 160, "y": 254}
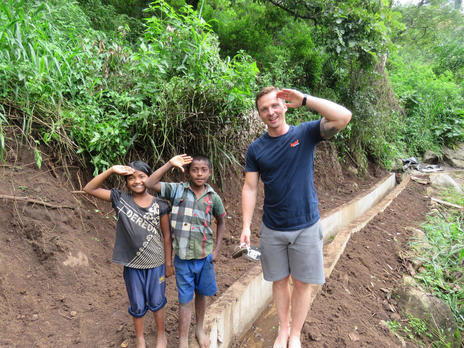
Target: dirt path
{"x": 357, "y": 297}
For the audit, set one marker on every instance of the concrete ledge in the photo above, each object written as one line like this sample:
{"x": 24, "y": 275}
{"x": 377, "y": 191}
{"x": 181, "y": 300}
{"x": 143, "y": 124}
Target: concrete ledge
{"x": 233, "y": 313}
{"x": 340, "y": 216}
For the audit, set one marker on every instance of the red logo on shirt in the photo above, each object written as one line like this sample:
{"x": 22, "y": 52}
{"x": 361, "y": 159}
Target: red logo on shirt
{"x": 295, "y": 143}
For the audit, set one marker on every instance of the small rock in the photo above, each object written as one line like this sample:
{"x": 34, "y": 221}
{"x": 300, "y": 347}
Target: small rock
{"x": 34, "y": 317}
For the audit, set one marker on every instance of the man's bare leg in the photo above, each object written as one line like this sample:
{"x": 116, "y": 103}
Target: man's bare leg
{"x": 139, "y": 324}
{"x": 282, "y": 296}
{"x": 185, "y": 316}
{"x": 301, "y": 299}
{"x": 161, "y": 338}
{"x": 200, "y": 309}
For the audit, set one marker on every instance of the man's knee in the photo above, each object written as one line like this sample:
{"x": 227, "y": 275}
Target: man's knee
{"x": 281, "y": 282}
{"x": 301, "y": 286}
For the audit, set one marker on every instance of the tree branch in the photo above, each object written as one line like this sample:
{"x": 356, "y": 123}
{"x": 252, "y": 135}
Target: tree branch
{"x": 31, "y": 200}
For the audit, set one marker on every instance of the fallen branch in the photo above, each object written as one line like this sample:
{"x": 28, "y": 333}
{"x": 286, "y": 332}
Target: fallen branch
{"x": 446, "y": 203}
{"x": 31, "y": 200}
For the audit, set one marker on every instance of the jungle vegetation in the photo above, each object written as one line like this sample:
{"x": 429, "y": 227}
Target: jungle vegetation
{"x": 103, "y": 81}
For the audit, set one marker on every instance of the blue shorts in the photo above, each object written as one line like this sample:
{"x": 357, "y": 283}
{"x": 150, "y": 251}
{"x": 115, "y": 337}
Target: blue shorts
{"x": 195, "y": 276}
{"x": 146, "y": 289}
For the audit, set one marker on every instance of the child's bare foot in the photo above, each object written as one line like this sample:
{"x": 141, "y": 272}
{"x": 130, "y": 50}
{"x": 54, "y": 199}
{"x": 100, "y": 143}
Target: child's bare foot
{"x": 140, "y": 342}
{"x": 202, "y": 339}
{"x": 161, "y": 340}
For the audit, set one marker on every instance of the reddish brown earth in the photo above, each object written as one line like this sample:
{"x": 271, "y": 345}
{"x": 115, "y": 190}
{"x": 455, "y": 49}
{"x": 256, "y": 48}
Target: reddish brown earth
{"x": 357, "y": 297}
{"x": 58, "y": 287}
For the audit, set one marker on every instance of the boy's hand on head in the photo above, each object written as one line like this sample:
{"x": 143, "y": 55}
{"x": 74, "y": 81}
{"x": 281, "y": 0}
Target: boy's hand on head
{"x": 180, "y": 161}
{"x": 123, "y": 170}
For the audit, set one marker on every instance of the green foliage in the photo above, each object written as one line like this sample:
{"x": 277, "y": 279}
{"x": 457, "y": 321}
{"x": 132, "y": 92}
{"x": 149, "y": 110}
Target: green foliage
{"x": 417, "y": 331}
{"x": 433, "y": 104}
{"x": 282, "y": 46}
{"x": 203, "y": 98}
{"x": 95, "y": 97}
{"x": 442, "y": 258}
{"x": 115, "y": 17}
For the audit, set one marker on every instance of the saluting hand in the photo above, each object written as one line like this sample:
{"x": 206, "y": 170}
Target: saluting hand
{"x": 123, "y": 170}
{"x": 293, "y": 97}
{"x": 180, "y": 161}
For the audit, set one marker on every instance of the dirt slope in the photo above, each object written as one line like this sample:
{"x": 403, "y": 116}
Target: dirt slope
{"x": 58, "y": 287}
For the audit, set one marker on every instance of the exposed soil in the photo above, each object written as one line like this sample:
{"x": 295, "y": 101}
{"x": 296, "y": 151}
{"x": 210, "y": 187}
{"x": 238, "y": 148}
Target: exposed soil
{"x": 357, "y": 298}
{"x": 354, "y": 305}
{"x": 58, "y": 287}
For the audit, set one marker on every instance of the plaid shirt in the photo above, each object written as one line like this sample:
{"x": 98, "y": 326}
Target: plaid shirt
{"x": 191, "y": 219}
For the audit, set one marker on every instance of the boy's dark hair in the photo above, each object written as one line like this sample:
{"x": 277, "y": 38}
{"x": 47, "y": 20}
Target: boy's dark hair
{"x": 200, "y": 158}
{"x": 264, "y": 91}
{"x": 141, "y": 166}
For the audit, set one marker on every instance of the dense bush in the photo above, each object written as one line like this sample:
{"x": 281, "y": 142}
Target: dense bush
{"x": 434, "y": 104}
{"x": 102, "y": 85}
{"x": 104, "y": 101}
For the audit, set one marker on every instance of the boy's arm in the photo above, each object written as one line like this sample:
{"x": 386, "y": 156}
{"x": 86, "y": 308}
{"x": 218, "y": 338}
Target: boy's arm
{"x": 167, "y": 242}
{"x": 221, "y": 227}
{"x": 179, "y": 161}
{"x": 94, "y": 186}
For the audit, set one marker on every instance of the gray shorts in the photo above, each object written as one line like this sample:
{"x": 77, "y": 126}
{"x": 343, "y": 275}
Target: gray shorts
{"x": 298, "y": 253}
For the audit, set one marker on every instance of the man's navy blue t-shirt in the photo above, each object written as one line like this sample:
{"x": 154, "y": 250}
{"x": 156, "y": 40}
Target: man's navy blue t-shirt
{"x": 286, "y": 166}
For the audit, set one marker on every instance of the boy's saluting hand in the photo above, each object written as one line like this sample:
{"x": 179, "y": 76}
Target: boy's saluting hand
{"x": 180, "y": 161}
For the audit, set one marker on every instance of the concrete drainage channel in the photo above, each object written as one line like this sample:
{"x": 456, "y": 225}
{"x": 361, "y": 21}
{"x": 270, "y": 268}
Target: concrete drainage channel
{"x": 234, "y": 312}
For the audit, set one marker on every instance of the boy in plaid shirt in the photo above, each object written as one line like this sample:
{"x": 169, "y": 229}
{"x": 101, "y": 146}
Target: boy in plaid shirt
{"x": 194, "y": 203}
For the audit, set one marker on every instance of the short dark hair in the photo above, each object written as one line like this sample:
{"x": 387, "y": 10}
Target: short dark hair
{"x": 264, "y": 91}
{"x": 201, "y": 158}
{"x": 141, "y": 166}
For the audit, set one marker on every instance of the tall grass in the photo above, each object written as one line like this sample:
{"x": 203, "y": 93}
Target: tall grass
{"x": 100, "y": 100}
{"x": 442, "y": 257}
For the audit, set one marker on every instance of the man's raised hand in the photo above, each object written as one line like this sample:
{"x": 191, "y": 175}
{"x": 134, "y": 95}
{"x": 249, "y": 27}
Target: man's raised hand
{"x": 293, "y": 97}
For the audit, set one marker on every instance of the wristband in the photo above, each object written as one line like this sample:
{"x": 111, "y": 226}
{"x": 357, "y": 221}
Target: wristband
{"x": 303, "y": 103}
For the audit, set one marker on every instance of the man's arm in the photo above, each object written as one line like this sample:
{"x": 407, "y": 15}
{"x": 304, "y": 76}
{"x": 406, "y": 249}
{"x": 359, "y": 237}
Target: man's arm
{"x": 249, "y": 194}
{"x": 335, "y": 116}
{"x": 153, "y": 182}
{"x": 94, "y": 186}
{"x": 221, "y": 227}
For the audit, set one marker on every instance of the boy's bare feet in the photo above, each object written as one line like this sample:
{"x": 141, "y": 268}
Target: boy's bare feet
{"x": 202, "y": 339}
{"x": 140, "y": 342}
{"x": 161, "y": 341}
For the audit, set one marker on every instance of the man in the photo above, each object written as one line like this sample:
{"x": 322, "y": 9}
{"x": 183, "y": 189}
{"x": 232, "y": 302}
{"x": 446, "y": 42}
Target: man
{"x": 291, "y": 237}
